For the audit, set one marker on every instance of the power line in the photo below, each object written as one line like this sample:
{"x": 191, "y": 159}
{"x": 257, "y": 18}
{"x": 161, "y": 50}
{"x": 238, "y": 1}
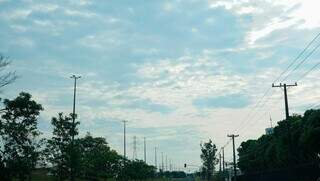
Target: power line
{"x": 263, "y": 98}
{"x": 297, "y": 58}
{"x": 292, "y": 63}
{"x": 302, "y": 61}
{"x": 309, "y": 71}
{"x": 282, "y": 73}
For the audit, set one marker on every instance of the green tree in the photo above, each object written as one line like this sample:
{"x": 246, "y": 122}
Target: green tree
{"x": 18, "y": 131}
{"x": 59, "y": 150}
{"x": 139, "y": 170}
{"x": 293, "y": 142}
{"x": 209, "y": 159}
{"x": 97, "y": 158}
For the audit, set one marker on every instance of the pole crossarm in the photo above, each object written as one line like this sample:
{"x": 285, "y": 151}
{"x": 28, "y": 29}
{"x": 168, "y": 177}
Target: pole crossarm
{"x": 285, "y": 96}
{"x": 282, "y": 85}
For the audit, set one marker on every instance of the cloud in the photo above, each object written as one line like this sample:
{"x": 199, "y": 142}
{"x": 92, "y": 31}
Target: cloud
{"x": 227, "y": 101}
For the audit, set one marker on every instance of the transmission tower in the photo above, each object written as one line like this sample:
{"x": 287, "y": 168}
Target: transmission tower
{"x": 134, "y": 155}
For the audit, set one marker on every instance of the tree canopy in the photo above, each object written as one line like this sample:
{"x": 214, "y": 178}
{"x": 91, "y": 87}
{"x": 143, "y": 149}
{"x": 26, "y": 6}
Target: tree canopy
{"x": 18, "y": 131}
{"x": 208, "y": 157}
{"x": 294, "y": 142}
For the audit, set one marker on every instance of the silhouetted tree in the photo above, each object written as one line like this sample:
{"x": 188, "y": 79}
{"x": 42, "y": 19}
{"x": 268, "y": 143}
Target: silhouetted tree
{"x": 208, "y": 157}
{"x": 59, "y": 149}
{"x": 294, "y": 141}
{"x": 139, "y": 170}
{"x": 18, "y": 131}
{"x": 97, "y": 158}
{"x": 6, "y": 77}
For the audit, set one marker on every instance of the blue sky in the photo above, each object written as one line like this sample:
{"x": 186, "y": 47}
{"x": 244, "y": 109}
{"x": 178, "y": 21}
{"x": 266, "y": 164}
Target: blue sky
{"x": 180, "y": 72}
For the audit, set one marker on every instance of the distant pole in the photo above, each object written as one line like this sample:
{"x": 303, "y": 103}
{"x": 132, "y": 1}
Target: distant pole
{"x": 285, "y": 96}
{"x": 134, "y": 155}
{"x": 73, "y": 124}
{"x": 124, "y": 138}
{"x": 155, "y": 157}
{"x": 162, "y": 165}
{"x": 145, "y": 149}
{"x": 222, "y": 158}
{"x": 271, "y": 122}
{"x": 166, "y": 162}
{"x": 234, "y": 156}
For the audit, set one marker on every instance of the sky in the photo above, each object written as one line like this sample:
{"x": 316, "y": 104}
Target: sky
{"x": 180, "y": 72}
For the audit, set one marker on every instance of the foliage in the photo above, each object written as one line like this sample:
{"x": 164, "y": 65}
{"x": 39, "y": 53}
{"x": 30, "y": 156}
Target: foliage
{"x": 18, "y": 131}
{"x": 294, "y": 141}
{"x": 139, "y": 170}
{"x": 59, "y": 148}
{"x": 174, "y": 174}
{"x": 23, "y": 156}
{"x": 97, "y": 158}
{"x": 209, "y": 159}
{"x": 6, "y": 77}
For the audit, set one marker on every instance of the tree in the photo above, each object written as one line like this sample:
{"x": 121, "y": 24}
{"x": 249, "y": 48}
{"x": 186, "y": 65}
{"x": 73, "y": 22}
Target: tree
{"x": 18, "y": 130}
{"x": 139, "y": 170}
{"x": 97, "y": 158}
{"x": 209, "y": 159}
{"x": 293, "y": 142}
{"x": 59, "y": 150}
{"x": 6, "y": 77}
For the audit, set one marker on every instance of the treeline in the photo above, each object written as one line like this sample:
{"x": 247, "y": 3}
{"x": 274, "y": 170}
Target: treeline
{"x": 22, "y": 150}
{"x": 294, "y": 142}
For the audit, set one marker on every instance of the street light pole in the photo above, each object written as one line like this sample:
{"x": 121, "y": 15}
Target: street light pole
{"x": 145, "y": 149}
{"x": 124, "y": 138}
{"x": 155, "y": 157}
{"x": 73, "y": 124}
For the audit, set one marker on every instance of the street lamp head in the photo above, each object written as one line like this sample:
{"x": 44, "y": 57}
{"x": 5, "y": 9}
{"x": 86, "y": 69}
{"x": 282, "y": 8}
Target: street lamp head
{"x": 75, "y": 77}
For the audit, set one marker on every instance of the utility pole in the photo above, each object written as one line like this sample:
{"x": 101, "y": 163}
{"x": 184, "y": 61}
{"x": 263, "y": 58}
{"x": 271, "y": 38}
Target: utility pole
{"x": 124, "y": 147}
{"x": 166, "y": 162}
{"x": 73, "y": 124}
{"x": 288, "y": 126}
{"x": 134, "y": 155}
{"x": 285, "y": 96}
{"x": 124, "y": 138}
{"x": 145, "y": 149}
{"x": 162, "y": 165}
{"x": 222, "y": 158}
{"x": 155, "y": 157}
{"x": 234, "y": 156}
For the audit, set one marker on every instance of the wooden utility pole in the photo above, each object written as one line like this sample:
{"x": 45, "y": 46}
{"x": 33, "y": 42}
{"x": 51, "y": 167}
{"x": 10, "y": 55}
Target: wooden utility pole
{"x": 234, "y": 156}
{"x": 222, "y": 158}
{"x": 285, "y": 96}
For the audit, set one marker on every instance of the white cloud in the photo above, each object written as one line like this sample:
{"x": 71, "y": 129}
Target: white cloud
{"x": 46, "y": 8}
{"x": 24, "y": 42}
{"x": 16, "y": 14}
{"x": 269, "y": 16}
{"x": 275, "y": 24}
{"x": 168, "y": 7}
{"x": 79, "y": 13}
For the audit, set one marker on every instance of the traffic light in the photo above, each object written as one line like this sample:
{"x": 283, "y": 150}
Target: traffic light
{"x": 185, "y": 165}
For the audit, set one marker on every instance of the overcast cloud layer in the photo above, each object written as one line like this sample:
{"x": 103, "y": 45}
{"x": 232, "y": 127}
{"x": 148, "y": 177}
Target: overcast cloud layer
{"x": 180, "y": 72}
